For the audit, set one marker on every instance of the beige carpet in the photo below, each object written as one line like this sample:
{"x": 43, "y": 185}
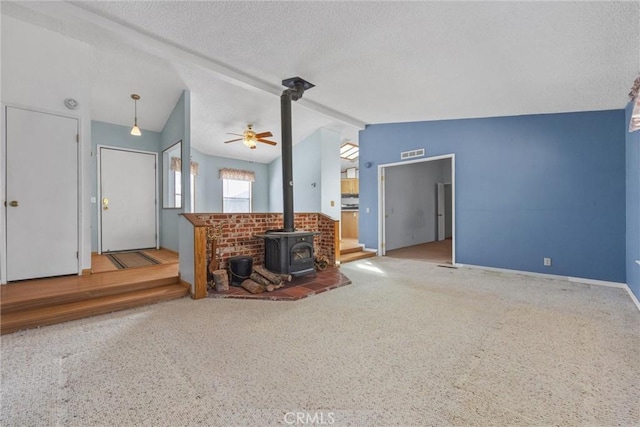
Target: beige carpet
{"x": 409, "y": 344}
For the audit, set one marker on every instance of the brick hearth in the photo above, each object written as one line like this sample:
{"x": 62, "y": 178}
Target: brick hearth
{"x": 298, "y": 288}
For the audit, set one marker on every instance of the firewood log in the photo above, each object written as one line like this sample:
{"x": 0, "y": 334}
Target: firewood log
{"x": 266, "y": 284}
{"x": 285, "y": 277}
{"x": 272, "y": 277}
{"x": 251, "y": 286}
{"x": 221, "y": 280}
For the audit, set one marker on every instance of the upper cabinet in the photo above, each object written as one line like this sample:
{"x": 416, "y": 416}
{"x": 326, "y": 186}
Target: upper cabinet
{"x": 349, "y": 186}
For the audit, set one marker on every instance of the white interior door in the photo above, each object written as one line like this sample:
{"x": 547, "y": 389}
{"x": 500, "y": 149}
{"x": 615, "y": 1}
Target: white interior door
{"x": 127, "y": 200}
{"x": 441, "y": 211}
{"x": 41, "y": 194}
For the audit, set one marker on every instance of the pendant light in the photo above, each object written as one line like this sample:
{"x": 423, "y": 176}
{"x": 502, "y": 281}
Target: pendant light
{"x": 135, "y": 130}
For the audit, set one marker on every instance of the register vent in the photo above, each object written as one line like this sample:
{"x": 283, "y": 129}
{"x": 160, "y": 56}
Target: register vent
{"x": 411, "y": 154}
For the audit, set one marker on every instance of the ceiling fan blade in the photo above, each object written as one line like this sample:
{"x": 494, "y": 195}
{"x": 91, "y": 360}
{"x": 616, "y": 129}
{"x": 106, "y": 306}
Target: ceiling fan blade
{"x": 237, "y": 134}
{"x": 263, "y": 135}
{"x": 233, "y": 140}
{"x": 266, "y": 141}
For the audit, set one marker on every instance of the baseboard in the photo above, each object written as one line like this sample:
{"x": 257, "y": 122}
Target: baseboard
{"x": 633, "y": 297}
{"x": 187, "y": 284}
{"x": 572, "y": 279}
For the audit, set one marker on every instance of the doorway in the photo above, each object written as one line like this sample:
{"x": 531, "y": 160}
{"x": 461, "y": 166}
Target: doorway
{"x": 127, "y": 189}
{"x": 416, "y": 216}
{"x": 41, "y": 208}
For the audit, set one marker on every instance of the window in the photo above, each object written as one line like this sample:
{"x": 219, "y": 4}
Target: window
{"x": 177, "y": 188}
{"x": 236, "y": 196}
{"x": 236, "y": 190}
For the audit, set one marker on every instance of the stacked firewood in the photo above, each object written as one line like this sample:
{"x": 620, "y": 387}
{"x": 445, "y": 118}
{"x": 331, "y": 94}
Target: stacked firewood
{"x": 262, "y": 280}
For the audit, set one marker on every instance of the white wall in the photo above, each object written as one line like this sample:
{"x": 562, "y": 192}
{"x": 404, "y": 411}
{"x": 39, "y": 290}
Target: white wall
{"x": 41, "y": 68}
{"x": 410, "y": 202}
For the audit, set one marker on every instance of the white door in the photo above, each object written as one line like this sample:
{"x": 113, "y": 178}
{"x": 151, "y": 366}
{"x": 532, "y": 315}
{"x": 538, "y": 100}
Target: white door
{"x": 127, "y": 199}
{"x": 41, "y": 194}
{"x": 441, "y": 211}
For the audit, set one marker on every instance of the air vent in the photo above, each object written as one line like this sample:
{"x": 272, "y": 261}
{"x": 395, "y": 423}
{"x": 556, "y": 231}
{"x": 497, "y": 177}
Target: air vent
{"x": 411, "y": 154}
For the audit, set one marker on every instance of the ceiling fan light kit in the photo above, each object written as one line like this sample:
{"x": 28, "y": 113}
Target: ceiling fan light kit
{"x": 250, "y": 137}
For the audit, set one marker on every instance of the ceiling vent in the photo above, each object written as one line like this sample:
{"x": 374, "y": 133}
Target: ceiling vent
{"x": 411, "y": 154}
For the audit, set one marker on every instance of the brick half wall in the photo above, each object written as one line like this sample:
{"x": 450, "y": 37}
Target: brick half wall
{"x": 234, "y": 234}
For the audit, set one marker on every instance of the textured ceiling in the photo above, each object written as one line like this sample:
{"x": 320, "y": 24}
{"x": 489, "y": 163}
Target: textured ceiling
{"x": 372, "y": 62}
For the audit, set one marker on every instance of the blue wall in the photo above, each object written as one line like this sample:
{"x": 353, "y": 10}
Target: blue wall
{"x": 633, "y": 205}
{"x": 177, "y": 128}
{"x": 306, "y": 170}
{"x": 114, "y": 136}
{"x": 209, "y": 184}
{"x": 316, "y": 175}
{"x": 527, "y": 187}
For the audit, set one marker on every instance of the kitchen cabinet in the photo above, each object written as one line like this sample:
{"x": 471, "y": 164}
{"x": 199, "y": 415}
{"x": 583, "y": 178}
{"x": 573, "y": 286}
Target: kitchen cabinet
{"x": 349, "y": 222}
{"x": 349, "y": 186}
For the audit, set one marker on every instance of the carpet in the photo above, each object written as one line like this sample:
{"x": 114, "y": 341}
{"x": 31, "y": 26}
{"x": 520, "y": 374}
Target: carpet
{"x": 406, "y": 344}
{"x": 131, "y": 259}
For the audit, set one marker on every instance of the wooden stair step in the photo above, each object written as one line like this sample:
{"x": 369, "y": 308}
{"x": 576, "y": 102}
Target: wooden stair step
{"x": 350, "y": 250}
{"x": 68, "y": 289}
{"x": 354, "y": 256}
{"x": 41, "y": 316}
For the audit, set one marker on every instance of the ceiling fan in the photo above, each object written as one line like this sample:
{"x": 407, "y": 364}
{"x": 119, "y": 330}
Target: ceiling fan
{"x": 249, "y": 137}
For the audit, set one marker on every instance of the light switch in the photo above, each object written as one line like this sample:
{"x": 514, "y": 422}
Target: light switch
{"x": 333, "y": 203}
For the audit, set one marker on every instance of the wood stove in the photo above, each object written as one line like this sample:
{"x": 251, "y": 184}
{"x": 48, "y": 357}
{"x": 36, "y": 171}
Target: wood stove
{"x": 288, "y": 251}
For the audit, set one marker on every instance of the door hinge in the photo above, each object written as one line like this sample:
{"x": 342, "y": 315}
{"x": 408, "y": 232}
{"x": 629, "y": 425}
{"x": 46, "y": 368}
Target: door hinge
{"x": 77, "y": 255}
{"x": 77, "y": 137}
{"x": 382, "y": 178}
{"x": 383, "y": 245}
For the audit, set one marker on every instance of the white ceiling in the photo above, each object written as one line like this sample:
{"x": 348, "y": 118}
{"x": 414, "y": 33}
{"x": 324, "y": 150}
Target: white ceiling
{"x": 372, "y": 62}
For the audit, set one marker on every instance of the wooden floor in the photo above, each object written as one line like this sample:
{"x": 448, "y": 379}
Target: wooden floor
{"x": 439, "y": 252}
{"x": 101, "y": 263}
{"x": 39, "y": 302}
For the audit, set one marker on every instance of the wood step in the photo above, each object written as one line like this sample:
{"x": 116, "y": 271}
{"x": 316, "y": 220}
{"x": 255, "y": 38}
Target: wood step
{"x": 33, "y": 294}
{"x": 354, "y": 256}
{"x": 350, "y": 250}
{"x": 41, "y": 316}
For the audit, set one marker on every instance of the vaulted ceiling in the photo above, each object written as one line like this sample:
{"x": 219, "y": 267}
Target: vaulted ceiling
{"x": 371, "y": 62}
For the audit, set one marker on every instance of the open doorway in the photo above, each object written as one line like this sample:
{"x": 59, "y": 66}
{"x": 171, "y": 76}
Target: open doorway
{"x": 416, "y": 216}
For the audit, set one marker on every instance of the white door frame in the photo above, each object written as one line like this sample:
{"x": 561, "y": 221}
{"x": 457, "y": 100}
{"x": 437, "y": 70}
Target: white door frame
{"x": 381, "y": 200}
{"x": 99, "y": 191}
{"x": 3, "y": 183}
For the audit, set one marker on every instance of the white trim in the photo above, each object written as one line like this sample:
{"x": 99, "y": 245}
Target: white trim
{"x": 381, "y": 199}
{"x": 633, "y": 297}
{"x": 570, "y": 279}
{"x": 99, "y": 192}
{"x": 3, "y": 188}
{"x": 3, "y": 174}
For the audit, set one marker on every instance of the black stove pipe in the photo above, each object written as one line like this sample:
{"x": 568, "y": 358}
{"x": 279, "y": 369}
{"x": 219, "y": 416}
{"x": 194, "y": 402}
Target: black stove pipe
{"x": 287, "y": 161}
{"x": 297, "y": 87}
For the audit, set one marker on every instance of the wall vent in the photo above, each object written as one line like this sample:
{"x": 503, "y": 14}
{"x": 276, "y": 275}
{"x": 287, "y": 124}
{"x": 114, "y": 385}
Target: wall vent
{"x": 411, "y": 154}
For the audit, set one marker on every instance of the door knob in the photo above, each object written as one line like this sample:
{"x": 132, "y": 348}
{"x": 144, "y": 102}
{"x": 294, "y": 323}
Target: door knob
{"x": 14, "y": 204}
{"x": 105, "y": 204}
